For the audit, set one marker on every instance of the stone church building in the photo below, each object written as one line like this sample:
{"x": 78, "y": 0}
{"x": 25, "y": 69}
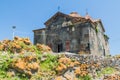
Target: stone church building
{"x": 73, "y": 33}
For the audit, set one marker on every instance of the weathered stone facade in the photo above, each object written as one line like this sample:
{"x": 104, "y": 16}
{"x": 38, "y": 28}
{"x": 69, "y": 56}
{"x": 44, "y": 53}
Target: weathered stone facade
{"x": 73, "y": 33}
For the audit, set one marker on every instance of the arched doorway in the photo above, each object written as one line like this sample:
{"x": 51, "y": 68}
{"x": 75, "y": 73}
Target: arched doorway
{"x": 58, "y": 45}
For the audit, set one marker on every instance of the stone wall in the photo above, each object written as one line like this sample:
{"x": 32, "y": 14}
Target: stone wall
{"x": 92, "y": 65}
{"x": 101, "y": 60}
{"x": 98, "y": 43}
{"x": 77, "y": 35}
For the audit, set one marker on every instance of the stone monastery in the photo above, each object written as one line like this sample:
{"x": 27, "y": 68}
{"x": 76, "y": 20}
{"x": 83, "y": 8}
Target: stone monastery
{"x": 73, "y": 33}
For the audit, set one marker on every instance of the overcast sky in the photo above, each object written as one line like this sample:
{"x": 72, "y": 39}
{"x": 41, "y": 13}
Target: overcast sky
{"x": 28, "y": 15}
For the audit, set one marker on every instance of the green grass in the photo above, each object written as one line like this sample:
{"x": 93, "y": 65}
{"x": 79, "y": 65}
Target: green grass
{"x": 49, "y": 63}
{"x": 5, "y": 61}
{"x": 107, "y": 70}
{"x": 87, "y": 77}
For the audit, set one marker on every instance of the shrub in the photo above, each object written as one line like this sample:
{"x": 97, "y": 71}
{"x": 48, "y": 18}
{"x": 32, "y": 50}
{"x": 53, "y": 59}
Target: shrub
{"x": 107, "y": 70}
{"x": 87, "y": 77}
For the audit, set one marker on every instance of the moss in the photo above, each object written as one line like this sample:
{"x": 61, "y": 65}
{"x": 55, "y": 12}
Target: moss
{"x": 87, "y": 77}
{"x": 49, "y": 63}
{"x": 107, "y": 70}
{"x": 96, "y": 29}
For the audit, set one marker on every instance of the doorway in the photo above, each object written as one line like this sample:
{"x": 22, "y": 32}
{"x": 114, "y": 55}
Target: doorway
{"x": 60, "y": 47}
{"x": 67, "y": 45}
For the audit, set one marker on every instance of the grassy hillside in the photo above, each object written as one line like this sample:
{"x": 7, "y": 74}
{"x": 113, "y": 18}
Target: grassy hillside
{"x": 21, "y": 60}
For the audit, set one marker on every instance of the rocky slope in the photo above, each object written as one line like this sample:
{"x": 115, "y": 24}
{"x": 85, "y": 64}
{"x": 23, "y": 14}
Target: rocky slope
{"x": 20, "y": 60}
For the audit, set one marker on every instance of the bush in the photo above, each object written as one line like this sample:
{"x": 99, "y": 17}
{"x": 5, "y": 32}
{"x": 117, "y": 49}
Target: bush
{"x": 50, "y": 62}
{"x": 87, "y": 77}
{"x": 107, "y": 70}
